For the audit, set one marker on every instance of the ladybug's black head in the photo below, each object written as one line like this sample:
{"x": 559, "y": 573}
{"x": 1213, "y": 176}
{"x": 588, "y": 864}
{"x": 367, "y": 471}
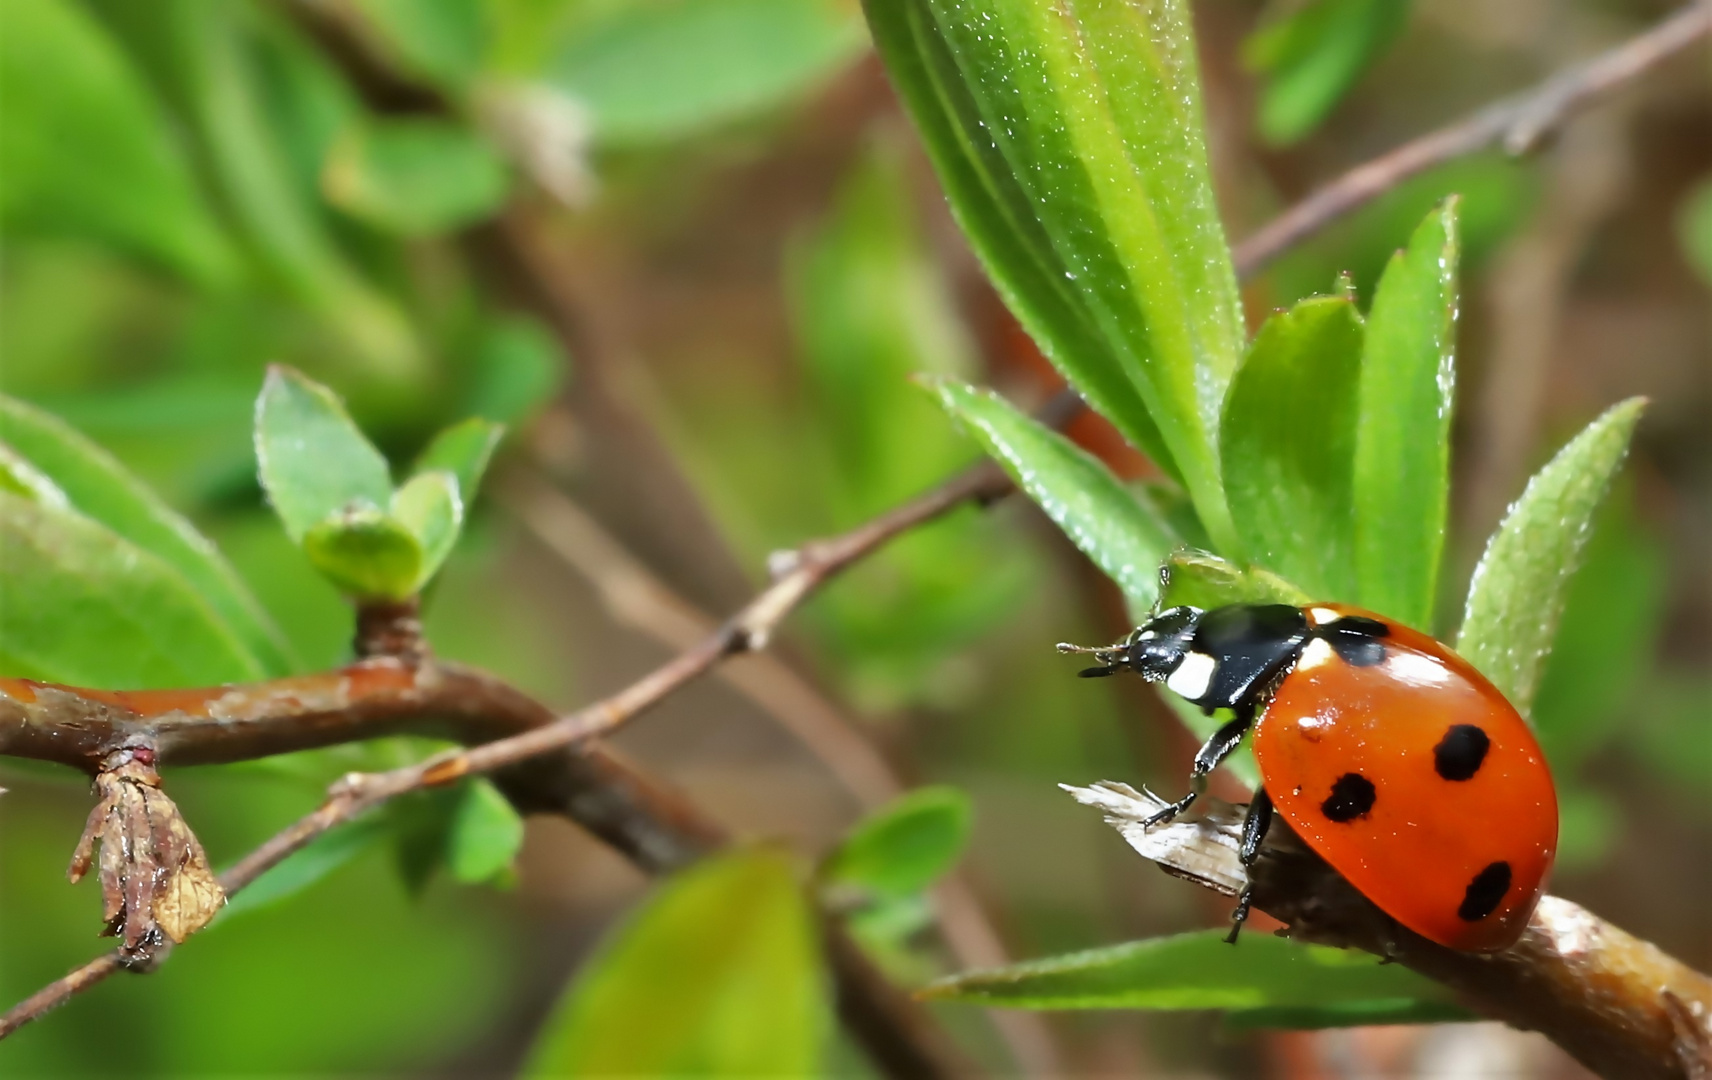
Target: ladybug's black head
{"x": 1153, "y": 650}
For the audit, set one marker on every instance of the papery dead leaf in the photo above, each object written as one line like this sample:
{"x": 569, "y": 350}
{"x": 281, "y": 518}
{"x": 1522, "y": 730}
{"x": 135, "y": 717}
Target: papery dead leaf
{"x": 155, "y": 877}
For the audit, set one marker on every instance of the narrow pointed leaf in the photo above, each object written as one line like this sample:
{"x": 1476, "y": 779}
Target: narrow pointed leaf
{"x": 80, "y": 604}
{"x": 314, "y": 461}
{"x": 1191, "y": 971}
{"x": 717, "y": 974}
{"x": 99, "y": 487}
{"x": 1069, "y": 142}
{"x": 1517, "y": 596}
{"x": 87, "y": 150}
{"x": 1402, "y": 449}
{"x": 1313, "y": 56}
{"x": 1078, "y": 493}
{"x": 1349, "y": 1014}
{"x": 1289, "y": 446}
{"x": 906, "y": 845}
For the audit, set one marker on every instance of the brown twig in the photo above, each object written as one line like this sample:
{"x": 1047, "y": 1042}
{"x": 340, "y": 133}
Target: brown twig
{"x": 1619, "y": 1005}
{"x": 635, "y": 598}
{"x": 1519, "y": 124}
{"x": 384, "y": 694}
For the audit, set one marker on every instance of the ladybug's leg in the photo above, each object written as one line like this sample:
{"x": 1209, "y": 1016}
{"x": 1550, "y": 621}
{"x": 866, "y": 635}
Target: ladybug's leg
{"x": 1213, "y": 751}
{"x": 1254, "y": 826}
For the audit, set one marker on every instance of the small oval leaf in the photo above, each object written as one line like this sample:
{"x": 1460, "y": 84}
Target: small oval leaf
{"x": 464, "y": 450}
{"x": 717, "y": 974}
{"x": 429, "y": 506}
{"x": 486, "y": 835}
{"x": 906, "y": 845}
{"x": 366, "y": 553}
{"x": 314, "y": 460}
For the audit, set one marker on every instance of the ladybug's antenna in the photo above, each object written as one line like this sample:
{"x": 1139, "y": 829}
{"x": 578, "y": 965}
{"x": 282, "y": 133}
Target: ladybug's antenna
{"x": 1109, "y": 656}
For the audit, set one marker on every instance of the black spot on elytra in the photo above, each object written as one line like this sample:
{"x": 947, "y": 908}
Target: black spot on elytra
{"x": 1352, "y": 797}
{"x": 1460, "y": 753}
{"x": 1484, "y": 892}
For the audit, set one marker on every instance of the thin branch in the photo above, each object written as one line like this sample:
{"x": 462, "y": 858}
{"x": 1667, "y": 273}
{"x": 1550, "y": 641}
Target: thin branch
{"x": 635, "y": 598}
{"x": 385, "y": 694}
{"x": 1519, "y": 124}
{"x": 1619, "y": 1005}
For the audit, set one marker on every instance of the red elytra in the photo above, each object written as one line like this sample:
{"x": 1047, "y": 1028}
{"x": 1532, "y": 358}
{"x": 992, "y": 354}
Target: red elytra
{"x": 1430, "y": 850}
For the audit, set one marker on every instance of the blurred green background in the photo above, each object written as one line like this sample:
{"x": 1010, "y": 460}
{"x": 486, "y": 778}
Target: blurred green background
{"x": 692, "y": 254}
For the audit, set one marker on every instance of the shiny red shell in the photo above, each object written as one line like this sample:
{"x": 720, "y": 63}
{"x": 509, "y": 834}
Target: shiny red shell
{"x": 1427, "y": 848}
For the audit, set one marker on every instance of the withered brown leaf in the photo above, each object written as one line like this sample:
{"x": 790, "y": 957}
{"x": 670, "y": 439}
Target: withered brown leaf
{"x": 155, "y": 878}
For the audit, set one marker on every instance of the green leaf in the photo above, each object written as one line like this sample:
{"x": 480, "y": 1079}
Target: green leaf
{"x": 83, "y": 605}
{"x": 1192, "y": 971}
{"x": 1078, "y": 493}
{"x": 717, "y": 974}
{"x": 1402, "y": 443}
{"x": 1519, "y": 589}
{"x": 1694, "y": 230}
{"x": 1605, "y": 645}
{"x": 19, "y": 477}
{"x": 1197, "y": 579}
{"x": 417, "y": 177}
{"x": 441, "y": 39}
{"x": 872, "y": 310}
{"x": 486, "y": 835}
{"x": 653, "y": 72}
{"x": 1349, "y": 1014}
{"x": 428, "y": 506}
{"x": 306, "y": 868}
{"x": 1312, "y": 56}
{"x": 206, "y": 52}
{"x": 1069, "y": 142}
{"x": 906, "y": 845}
{"x": 314, "y": 461}
{"x": 101, "y": 488}
{"x": 367, "y": 553}
{"x": 464, "y": 450}
{"x": 85, "y": 148}
{"x": 518, "y": 367}
{"x": 1289, "y": 445}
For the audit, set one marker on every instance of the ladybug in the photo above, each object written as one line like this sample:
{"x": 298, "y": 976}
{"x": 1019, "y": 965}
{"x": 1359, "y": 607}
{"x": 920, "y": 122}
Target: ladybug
{"x": 1397, "y": 761}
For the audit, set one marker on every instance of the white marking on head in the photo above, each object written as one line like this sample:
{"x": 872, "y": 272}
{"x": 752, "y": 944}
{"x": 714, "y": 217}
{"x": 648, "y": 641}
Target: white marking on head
{"x": 1193, "y": 676}
{"x": 1412, "y": 667}
{"x": 1147, "y": 635}
{"x": 1314, "y": 654}
{"x": 1323, "y": 616}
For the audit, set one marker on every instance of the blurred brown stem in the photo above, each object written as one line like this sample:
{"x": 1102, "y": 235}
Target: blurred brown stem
{"x": 1519, "y": 124}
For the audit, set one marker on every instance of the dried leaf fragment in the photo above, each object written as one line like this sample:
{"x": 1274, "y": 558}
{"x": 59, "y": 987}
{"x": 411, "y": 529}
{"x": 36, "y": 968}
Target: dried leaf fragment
{"x": 156, "y": 884}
